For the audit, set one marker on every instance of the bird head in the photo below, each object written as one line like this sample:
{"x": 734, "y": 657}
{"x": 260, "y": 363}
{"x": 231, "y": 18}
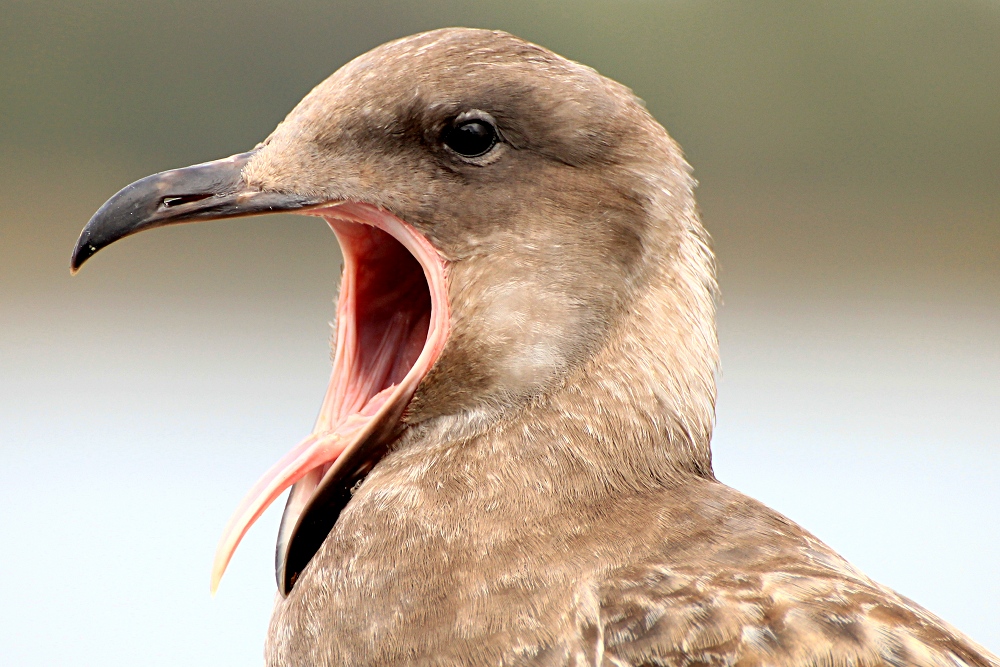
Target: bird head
{"x": 508, "y": 219}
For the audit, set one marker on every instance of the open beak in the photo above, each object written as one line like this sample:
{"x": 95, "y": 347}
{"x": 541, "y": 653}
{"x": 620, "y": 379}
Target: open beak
{"x": 392, "y": 323}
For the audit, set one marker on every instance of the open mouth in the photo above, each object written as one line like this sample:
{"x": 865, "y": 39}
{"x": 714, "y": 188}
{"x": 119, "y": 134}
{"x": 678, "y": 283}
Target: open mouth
{"x": 392, "y": 323}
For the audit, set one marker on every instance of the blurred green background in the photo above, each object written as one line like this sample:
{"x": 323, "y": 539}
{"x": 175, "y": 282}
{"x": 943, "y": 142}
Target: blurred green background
{"x": 849, "y": 160}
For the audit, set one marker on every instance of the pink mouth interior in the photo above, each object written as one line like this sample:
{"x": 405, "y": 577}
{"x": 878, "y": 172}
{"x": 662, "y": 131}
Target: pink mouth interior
{"x": 382, "y": 322}
{"x": 392, "y": 323}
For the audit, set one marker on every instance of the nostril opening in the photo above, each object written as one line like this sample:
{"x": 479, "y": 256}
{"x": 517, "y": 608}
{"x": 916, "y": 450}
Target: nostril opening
{"x": 178, "y": 200}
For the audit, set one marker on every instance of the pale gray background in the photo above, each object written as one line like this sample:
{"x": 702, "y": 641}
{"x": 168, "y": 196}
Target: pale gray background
{"x": 849, "y": 159}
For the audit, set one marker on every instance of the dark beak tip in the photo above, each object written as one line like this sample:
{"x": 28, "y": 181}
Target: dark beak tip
{"x": 75, "y": 262}
{"x": 83, "y": 251}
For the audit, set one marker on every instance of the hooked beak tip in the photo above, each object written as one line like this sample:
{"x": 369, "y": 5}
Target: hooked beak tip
{"x": 81, "y": 254}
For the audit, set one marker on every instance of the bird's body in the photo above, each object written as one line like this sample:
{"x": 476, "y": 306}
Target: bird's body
{"x": 512, "y": 465}
{"x": 695, "y": 574}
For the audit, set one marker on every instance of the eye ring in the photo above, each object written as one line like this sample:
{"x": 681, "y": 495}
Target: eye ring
{"x": 471, "y": 136}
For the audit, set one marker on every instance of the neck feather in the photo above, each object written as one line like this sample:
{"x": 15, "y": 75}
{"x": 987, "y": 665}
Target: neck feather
{"x": 640, "y": 412}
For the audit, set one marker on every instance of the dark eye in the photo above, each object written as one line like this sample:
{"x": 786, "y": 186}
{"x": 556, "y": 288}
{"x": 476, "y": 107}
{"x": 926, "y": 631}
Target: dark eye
{"x": 471, "y": 138}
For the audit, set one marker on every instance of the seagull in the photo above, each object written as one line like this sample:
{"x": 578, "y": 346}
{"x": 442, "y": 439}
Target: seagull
{"x": 512, "y": 463}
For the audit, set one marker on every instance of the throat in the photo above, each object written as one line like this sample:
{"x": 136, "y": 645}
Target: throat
{"x": 383, "y": 316}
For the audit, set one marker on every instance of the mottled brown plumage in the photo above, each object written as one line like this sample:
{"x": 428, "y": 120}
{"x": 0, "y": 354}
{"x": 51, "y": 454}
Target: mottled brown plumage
{"x": 548, "y": 496}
